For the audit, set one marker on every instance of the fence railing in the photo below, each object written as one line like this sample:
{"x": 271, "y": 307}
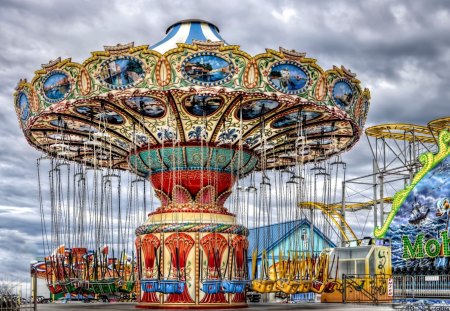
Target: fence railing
{"x": 421, "y": 286}
{"x": 15, "y": 303}
{"x": 384, "y": 288}
{"x": 15, "y": 296}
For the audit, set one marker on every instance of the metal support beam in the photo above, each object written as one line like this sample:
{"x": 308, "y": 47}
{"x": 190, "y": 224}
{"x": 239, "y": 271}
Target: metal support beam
{"x": 375, "y": 217}
{"x": 343, "y": 213}
{"x": 381, "y": 198}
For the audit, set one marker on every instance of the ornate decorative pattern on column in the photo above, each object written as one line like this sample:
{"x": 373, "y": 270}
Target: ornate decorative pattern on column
{"x": 214, "y": 245}
{"x": 137, "y": 243}
{"x": 179, "y": 245}
{"x": 240, "y": 246}
{"x": 149, "y": 245}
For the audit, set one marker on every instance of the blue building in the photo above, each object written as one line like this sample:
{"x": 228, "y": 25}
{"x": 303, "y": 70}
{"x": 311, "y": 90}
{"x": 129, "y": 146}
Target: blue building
{"x": 291, "y": 236}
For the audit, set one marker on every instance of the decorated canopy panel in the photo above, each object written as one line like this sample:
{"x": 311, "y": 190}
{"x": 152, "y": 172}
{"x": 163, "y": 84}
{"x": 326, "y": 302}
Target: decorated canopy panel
{"x": 279, "y": 104}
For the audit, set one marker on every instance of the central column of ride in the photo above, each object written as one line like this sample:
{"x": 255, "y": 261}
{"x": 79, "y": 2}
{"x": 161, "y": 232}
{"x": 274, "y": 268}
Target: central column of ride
{"x": 191, "y": 251}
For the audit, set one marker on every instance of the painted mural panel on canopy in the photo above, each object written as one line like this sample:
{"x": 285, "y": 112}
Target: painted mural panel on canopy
{"x": 146, "y": 106}
{"x": 121, "y": 72}
{"x": 56, "y": 86}
{"x": 24, "y": 107}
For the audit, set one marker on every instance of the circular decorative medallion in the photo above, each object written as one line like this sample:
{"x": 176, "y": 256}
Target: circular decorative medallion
{"x": 294, "y": 118}
{"x": 99, "y": 114}
{"x": 56, "y": 86}
{"x": 288, "y": 77}
{"x": 147, "y": 106}
{"x": 202, "y": 105}
{"x": 121, "y": 73}
{"x": 24, "y": 106}
{"x": 207, "y": 68}
{"x": 256, "y": 108}
{"x": 343, "y": 93}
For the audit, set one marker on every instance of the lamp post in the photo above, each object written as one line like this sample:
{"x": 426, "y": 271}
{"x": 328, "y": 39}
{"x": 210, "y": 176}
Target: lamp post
{"x": 33, "y": 284}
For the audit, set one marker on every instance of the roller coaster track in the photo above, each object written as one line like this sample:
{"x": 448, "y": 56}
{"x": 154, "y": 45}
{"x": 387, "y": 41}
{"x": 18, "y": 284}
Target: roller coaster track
{"x": 410, "y": 132}
{"x": 402, "y": 131}
{"x": 438, "y": 125}
{"x": 333, "y": 212}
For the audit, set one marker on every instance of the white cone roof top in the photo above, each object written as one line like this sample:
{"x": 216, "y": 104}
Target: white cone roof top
{"x": 186, "y": 31}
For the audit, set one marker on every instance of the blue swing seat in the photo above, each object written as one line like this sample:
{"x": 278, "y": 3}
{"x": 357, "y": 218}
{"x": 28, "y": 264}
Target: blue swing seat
{"x": 212, "y": 286}
{"x": 171, "y": 286}
{"x": 234, "y": 286}
{"x": 149, "y": 285}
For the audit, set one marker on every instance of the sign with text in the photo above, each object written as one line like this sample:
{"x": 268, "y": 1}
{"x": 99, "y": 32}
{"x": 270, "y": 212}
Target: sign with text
{"x": 390, "y": 287}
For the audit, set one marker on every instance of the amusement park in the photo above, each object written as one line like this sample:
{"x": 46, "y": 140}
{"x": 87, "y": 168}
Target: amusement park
{"x": 191, "y": 174}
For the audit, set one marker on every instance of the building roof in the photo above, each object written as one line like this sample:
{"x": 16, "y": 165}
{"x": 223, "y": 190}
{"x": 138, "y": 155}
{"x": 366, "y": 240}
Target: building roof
{"x": 271, "y": 236}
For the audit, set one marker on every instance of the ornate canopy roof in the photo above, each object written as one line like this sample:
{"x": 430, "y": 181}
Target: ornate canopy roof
{"x": 191, "y": 88}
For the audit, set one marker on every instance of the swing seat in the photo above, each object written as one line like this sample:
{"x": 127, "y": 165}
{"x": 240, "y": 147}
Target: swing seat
{"x": 149, "y": 285}
{"x": 330, "y": 287}
{"x": 71, "y": 286}
{"x": 304, "y": 287}
{"x": 317, "y": 286}
{"x": 212, "y": 286}
{"x": 263, "y": 286}
{"x": 106, "y": 286}
{"x": 234, "y": 286}
{"x": 288, "y": 286}
{"x": 109, "y": 286}
{"x": 127, "y": 287}
{"x": 171, "y": 286}
{"x": 54, "y": 288}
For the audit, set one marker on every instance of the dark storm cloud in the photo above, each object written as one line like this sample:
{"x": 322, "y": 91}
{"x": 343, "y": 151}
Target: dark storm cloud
{"x": 17, "y": 251}
{"x": 27, "y": 220}
{"x": 399, "y": 49}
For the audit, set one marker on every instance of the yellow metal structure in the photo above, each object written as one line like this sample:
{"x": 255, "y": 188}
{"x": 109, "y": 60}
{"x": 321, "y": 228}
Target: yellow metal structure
{"x": 410, "y": 132}
{"x": 438, "y": 125}
{"x": 402, "y": 131}
{"x": 332, "y": 211}
{"x": 358, "y": 206}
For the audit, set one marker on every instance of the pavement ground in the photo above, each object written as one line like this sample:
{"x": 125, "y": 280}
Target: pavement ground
{"x": 252, "y": 306}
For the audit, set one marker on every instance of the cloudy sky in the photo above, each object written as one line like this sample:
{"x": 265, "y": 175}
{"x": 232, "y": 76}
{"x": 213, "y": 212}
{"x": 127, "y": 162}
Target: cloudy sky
{"x": 400, "y": 50}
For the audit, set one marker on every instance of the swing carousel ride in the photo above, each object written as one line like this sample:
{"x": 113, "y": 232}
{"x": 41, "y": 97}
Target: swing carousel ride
{"x": 198, "y": 118}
